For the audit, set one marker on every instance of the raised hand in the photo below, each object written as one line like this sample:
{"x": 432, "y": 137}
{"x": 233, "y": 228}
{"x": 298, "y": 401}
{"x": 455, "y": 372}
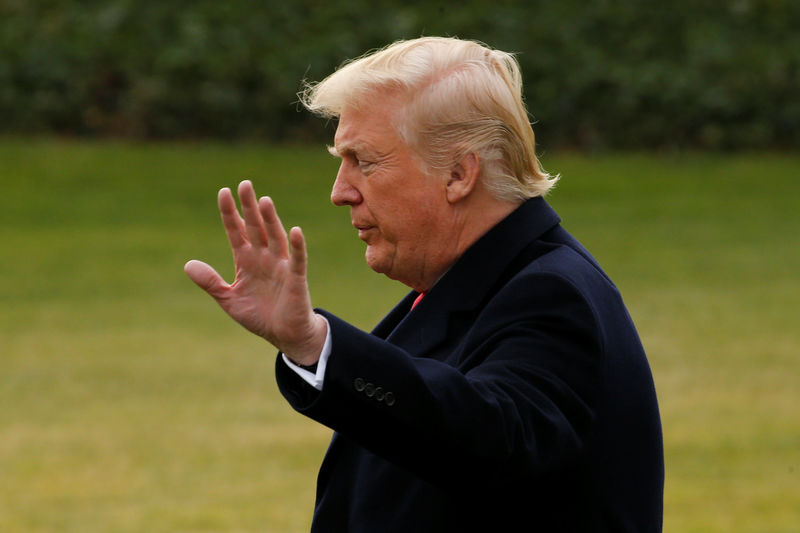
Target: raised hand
{"x": 269, "y": 295}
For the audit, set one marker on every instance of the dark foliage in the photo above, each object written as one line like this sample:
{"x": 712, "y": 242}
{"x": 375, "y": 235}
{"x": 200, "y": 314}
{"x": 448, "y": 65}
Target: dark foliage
{"x": 621, "y": 74}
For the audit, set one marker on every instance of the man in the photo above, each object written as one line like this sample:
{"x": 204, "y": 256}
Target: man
{"x": 508, "y": 391}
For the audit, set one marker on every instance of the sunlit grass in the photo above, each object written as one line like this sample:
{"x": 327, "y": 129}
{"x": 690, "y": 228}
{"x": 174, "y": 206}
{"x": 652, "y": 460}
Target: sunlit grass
{"x": 129, "y": 402}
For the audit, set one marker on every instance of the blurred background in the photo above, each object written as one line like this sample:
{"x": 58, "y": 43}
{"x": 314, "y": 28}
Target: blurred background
{"x": 129, "y": 402}
{"x": 599, "y": 74}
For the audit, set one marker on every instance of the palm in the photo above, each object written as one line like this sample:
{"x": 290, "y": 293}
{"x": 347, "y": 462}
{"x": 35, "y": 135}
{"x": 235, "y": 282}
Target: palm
{"x": 269, "y": 295}
{"x": 264, "y": 289}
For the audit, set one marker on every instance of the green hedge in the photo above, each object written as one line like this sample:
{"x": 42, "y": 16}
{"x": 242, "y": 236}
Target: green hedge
{"x": 720, "y": 74}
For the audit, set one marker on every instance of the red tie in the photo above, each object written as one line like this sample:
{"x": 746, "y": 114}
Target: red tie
{"x": 418, "y": 300}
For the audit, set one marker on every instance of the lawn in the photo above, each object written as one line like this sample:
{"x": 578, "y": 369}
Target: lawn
{"x": 130, "y": 403}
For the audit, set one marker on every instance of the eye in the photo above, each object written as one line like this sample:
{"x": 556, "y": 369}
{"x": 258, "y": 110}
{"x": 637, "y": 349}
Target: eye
{"x": 365, "y": 165}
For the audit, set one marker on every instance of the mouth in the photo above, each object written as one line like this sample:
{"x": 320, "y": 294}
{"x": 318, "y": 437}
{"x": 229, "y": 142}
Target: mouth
{"x": 363, "y": 230}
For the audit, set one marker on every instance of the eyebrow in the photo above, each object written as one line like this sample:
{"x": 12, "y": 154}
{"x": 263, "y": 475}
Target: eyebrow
{"x": 347, "y": 149}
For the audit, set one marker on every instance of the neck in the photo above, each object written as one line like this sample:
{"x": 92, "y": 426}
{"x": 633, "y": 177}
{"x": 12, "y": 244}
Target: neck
{"x": 468, "y": 223}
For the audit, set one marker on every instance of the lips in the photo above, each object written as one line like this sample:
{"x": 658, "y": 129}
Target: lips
{"x": 363, "y": 230}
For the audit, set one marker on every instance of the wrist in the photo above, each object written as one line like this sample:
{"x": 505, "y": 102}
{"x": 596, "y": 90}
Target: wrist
{"x": 307, "y": 354}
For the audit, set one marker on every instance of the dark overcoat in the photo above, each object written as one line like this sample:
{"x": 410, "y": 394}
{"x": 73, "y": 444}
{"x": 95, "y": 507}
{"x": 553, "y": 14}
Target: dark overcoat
{"x": 515, "y": 397}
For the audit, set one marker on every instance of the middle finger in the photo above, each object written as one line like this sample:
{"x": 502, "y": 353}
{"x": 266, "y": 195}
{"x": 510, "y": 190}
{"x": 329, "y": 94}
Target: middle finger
{"x": 253, "y": 222}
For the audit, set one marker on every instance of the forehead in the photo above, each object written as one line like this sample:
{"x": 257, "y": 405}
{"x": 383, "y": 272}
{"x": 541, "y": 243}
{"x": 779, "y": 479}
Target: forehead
{"x": 371, "y": 126}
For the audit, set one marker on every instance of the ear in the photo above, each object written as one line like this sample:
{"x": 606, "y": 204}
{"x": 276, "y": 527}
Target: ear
{"x": 463, "y": 177}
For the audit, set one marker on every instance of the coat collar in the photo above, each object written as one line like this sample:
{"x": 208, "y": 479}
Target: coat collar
{"x": 468, "y": 281}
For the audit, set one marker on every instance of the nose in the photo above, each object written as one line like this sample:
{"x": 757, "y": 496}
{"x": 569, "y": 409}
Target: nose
{"x": 344, "y": 192}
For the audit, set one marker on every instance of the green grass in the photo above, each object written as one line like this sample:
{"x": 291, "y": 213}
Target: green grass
{"x": 129, "y": 402}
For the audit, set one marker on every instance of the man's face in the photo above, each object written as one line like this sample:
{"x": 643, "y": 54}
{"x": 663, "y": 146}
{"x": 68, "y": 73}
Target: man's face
{"x": 398, "y": 209}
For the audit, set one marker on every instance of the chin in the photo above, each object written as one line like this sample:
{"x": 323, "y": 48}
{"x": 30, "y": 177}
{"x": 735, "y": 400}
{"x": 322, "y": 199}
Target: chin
{"x": 377, "y": 261}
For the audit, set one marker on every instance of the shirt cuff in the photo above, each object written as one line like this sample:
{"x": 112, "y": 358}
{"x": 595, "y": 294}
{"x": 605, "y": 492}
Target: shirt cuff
{"x": 314, "y": 379}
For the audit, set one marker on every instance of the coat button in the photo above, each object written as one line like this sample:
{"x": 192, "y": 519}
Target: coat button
{"x": 369, "y": 390}
{"x": 389, "y": 398}
{"x": 379, "y": 394}
{"x": 359, "y": 384}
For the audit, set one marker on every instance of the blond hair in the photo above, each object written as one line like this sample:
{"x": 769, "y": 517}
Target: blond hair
{"x": 459, "y": 97}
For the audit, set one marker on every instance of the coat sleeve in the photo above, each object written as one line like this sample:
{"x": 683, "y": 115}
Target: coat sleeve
{"x": 521, "y": 400}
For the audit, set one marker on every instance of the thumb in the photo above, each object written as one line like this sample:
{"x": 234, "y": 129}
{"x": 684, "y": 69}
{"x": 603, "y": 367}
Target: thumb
{"x": 205, "y": 277}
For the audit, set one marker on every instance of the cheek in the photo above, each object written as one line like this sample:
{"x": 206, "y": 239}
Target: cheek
{"x": 409, "y": 215}
{"x": 405, "y": 213}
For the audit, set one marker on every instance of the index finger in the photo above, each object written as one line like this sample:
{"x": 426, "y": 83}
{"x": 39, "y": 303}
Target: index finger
{"x": 233, "y": 223}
